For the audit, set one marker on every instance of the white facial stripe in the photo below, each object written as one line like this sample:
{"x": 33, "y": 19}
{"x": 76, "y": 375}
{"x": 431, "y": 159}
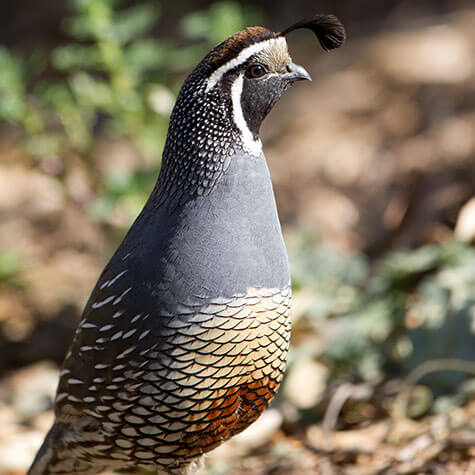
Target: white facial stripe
{"x": 243, "y": 56}
{"x": 254, "y": 147}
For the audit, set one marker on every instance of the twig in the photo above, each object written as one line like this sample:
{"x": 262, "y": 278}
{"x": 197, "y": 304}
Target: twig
{"x": 401, "y": 402}
{"x": 334, "y": 407}
{"x": 341, "y": 395}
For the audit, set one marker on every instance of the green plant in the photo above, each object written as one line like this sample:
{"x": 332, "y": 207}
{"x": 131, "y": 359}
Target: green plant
{"x": 10, "y": 266}
{"x": 113, "y": 78}
{"x": 413, "y": 306}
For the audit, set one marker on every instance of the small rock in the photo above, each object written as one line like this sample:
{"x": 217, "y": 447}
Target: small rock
{"x": 33, "y": 388}
{"x": 373, "y": 437}
{"x": 256, "y": 435}
{"x": 261, "y": 431}
{"x": 117, "y": 157}
{"x": 18, "y": 451}
{"x": 65, "y": 279}
{"x": 16, "y": 318}
{"x": 305, "y": 383}
{"x": 465, "y": 227}
{"x": 25, "y": 189}
{"x": 332, "y": 210}
{"x": 401, "y": 118}
{"x": 455, "y": 138}
{"x": 161, "y": 100}
{"x": 43, "y": 421}
{"x": 409, "y": 451}
{"x": 9, "y": 422}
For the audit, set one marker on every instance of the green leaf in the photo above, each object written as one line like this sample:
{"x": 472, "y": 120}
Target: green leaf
{"x": 134, "y": 22}
{"x": 10, "y": 264}
{"x": 401, "y": 265}
{"x": 221, "y": 20}
{"x": 12, "y": 88}
{"x": 91, "y": 92}
{"x": 144, "y": 55}
{"x": 76, "y": 57}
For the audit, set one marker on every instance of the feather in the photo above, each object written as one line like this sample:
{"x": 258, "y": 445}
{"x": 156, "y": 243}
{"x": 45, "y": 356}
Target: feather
{"x": 328, "y": 29}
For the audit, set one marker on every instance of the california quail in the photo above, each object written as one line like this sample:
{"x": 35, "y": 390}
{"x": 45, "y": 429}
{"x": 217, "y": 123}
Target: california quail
{"x": 184, "y": 339}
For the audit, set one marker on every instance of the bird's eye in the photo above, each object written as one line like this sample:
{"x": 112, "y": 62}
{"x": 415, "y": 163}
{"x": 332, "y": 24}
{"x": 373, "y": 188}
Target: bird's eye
{"x": 255, "y": 71}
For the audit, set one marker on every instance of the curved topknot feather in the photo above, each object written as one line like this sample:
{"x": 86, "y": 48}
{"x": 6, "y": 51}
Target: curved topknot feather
{"x": 328, "y": 29}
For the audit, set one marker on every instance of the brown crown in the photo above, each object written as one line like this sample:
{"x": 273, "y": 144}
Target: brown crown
{"x": 233, "y": 45}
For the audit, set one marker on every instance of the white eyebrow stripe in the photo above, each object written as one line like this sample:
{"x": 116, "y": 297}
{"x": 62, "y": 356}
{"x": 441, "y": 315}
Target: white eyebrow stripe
{"x": 243, "y": 56}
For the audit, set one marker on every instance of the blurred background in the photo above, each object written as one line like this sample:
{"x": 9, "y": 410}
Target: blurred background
{"x": 374, "y": 170}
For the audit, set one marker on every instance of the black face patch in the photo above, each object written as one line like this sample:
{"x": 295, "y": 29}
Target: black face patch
{"x": 258, "y": 97}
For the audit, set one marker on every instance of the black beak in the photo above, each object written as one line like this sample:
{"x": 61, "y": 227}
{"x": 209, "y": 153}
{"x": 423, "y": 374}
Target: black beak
{"x": 296, "y": 73}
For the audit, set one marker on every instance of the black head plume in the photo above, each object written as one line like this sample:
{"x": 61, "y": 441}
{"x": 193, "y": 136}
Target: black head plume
{"x": 328, "y": 29}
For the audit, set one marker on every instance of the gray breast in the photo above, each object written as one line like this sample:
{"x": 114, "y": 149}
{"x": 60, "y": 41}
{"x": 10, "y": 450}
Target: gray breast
{"x": 222, "y": 243}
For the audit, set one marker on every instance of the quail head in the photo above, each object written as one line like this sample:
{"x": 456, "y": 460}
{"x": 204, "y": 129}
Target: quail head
{"x": 183, "y": 341}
